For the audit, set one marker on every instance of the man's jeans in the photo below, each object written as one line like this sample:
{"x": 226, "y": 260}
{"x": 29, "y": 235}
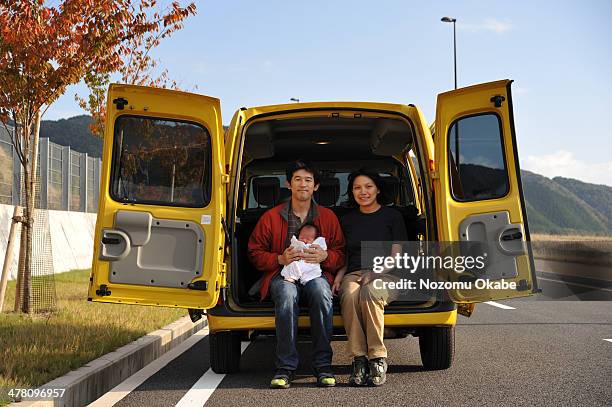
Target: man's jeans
{"x": 286, "y": 297}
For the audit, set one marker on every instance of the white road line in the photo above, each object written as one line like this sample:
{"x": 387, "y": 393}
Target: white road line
{"x": 609, "y": 340}
{"x": 498, "y": 305}
{"x": 128, "y": 385}
{"x": 201, "y": 391}
{"x": 576, "y": 284}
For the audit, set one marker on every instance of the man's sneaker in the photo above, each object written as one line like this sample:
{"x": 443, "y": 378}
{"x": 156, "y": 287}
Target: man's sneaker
{"x": 325, "y": 377}
{"x": 359, "y": 376}
{"x": 378, "y": 371}
{"x": 282, "y": 379}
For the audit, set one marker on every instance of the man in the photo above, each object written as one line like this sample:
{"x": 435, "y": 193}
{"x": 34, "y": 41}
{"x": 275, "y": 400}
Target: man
{"x": 269, "y": 251}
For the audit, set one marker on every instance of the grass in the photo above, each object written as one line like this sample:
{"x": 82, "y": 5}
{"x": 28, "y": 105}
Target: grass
{"x": 36, "y": 349}
{"x": 595, "y": 250}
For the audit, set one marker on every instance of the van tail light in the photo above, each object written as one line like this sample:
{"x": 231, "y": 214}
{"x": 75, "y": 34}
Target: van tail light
{"x": 432, "y": 165}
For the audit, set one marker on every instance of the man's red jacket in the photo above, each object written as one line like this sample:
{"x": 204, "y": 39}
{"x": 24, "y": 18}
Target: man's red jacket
{"x": 267, "y": 242}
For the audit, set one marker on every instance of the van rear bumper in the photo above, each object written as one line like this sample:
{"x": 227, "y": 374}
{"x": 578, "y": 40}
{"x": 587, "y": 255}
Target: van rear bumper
{"x": 231, "y": 323}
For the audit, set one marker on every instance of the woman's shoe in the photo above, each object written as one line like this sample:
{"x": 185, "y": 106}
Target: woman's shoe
{"x": 378, "y": 371}
{"x": 359, "y": 377}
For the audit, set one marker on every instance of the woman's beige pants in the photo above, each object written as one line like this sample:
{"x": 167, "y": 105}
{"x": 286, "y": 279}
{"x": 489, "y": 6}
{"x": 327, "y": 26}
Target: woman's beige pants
{"x": 363, "y": 310}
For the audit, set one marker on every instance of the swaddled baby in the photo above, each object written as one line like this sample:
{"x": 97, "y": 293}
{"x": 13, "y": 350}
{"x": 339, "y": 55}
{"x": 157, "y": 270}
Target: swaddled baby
{"x": 300, "y": 270}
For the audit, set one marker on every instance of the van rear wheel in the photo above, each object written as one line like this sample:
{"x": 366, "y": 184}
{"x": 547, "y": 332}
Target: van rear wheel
{"x": 225, "y": 352}
{"x": 437, "y": 346}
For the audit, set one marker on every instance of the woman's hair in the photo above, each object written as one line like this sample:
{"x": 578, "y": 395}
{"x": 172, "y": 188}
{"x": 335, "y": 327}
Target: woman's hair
{"x": 366, "y": 173}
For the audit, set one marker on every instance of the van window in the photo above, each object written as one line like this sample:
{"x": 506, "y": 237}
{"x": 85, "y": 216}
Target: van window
{"x": 161, "y": 161}
{"x": 476, "y": 158}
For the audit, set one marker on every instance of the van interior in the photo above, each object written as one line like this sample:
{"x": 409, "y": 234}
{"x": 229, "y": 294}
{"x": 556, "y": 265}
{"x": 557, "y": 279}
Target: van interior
{"x": 336, "y": 146}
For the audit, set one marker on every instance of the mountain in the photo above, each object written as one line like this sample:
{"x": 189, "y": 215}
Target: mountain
{"x": 73, "y": 132}
{"x": 566, "y": 206}
{"x": 599, "y": 197}
{"x": 555, "y": 206}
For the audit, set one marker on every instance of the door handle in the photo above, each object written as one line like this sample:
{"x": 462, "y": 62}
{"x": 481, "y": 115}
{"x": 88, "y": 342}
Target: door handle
{"x": 510, "y": 240}
{"x": 514, "y": 236}
{"x": 116, "y": 245}
{"x": 111, "y": 240}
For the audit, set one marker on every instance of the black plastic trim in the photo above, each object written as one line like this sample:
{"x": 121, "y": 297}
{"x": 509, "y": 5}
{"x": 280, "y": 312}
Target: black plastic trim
{"x": 115, "y": 157}
{"x": 519, "y": 181}
{"x": 503, "y": 149}
{"x": 425, "y": 181}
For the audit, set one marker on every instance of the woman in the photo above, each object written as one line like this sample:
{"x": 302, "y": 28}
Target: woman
{"x": 361, "y": 302}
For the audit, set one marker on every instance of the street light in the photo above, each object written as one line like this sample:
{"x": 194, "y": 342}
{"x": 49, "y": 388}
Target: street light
{"x": 453, "y": 20}
{"x": 296, "y": 100}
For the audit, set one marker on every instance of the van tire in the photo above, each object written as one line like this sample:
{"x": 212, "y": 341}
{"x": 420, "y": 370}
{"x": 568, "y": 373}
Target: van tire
{"x": 437, "y": 346}
{"x": 225, "y": 352}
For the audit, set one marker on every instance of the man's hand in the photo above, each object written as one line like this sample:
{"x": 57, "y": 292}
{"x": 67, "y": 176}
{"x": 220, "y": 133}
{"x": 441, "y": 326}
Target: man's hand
{"x": 314, "y": 254}
{"x": 289, "y": 255}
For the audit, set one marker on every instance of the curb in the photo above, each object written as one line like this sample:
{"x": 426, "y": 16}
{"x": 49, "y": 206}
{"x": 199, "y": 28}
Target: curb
{"x": 87, "y": 383}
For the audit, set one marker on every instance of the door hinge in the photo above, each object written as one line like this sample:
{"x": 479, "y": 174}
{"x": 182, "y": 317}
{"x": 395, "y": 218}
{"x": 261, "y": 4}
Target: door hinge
{"x": 103, "y": 291}
{"x": 523, "y": 285}
{"x": 120, "y": 102}
{"x": 200, "y": 285}
{"x": 225, "y": 178}
{"x": 434, "y": 174}
{"x": 466, "y": 309}
{"x": 195, "y": 314}
{"x": 497, "y": 100}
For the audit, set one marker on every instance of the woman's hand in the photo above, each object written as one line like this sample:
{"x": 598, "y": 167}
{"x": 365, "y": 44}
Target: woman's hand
{"x": 336, "y": 286}
{"x": 338, "y": 280}
{"x": 367, "y": 277}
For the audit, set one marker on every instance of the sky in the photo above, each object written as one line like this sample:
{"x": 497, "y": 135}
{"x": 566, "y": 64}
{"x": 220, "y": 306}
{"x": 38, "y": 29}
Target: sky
{"x": 559, "y": 54}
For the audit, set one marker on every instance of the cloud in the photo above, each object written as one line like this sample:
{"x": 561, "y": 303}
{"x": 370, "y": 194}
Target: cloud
{"x": 563, "y": 164}
{"x": 519, "y": 90}
{"x": 489, "y": 24}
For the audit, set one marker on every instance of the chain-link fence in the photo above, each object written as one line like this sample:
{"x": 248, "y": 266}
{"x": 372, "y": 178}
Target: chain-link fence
{"x": 67, "y": 181}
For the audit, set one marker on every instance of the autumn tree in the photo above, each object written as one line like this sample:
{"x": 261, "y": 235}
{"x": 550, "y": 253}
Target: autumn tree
{"x": 44, "y": 48}
{"x": 139, "y": 67}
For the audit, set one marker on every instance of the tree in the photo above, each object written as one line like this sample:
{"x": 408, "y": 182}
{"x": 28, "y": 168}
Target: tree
{"x": 139, "y": 68}
{"x": 44, "y": 49}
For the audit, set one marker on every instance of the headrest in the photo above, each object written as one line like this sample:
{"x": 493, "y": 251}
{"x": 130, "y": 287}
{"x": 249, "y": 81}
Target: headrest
{"x": 285, "y": 194}
{"x": 328, "y": 192}
{"x": 390, "y": 190}
{"x": 266, "y": 191}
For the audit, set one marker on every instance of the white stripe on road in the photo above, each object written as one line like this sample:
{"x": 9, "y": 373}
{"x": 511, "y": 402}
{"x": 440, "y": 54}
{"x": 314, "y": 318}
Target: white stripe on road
{"x": 498, "y": 305}
{"x": 609, "y": 340}
{"x": 128, "y": 385}
{"x": 576, "y": 284}
{"x": 201, "y": 391}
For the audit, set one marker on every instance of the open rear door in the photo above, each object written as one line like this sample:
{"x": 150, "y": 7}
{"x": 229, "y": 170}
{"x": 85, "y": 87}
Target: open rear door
{"x": 159, "y": 237}
{"x": 479, "y": 198}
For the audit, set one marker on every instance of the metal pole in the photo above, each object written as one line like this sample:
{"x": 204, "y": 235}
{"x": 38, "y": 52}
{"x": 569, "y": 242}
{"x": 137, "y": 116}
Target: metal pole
{"x": 455, "y": 50}
{"x": 8, "y": 258}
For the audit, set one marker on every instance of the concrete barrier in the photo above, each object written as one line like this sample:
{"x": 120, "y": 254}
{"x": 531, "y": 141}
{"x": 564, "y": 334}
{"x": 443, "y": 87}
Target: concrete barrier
{"x": 71, "y": 239}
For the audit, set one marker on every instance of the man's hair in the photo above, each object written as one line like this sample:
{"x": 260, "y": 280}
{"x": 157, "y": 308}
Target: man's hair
{"x": 301, "y": 165}
{"x": 366, "y": 173}
{"x": 308, "y": 225}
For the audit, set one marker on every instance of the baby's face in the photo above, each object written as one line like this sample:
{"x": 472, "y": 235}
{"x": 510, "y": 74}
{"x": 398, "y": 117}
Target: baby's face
{"x": 307, "y": 235}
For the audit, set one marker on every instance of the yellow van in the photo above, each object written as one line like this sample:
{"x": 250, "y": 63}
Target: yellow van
{"x": 180, "y": 197}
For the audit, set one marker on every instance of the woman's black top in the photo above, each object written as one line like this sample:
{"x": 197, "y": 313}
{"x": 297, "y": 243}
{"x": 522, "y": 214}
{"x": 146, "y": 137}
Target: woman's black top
{"x": 385, "y": 226}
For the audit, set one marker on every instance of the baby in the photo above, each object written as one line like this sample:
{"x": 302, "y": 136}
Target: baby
{"x": 300, "y": 270}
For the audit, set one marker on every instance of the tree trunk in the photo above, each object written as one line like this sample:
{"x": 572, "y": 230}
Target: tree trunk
{"x": 25, "y": 254}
